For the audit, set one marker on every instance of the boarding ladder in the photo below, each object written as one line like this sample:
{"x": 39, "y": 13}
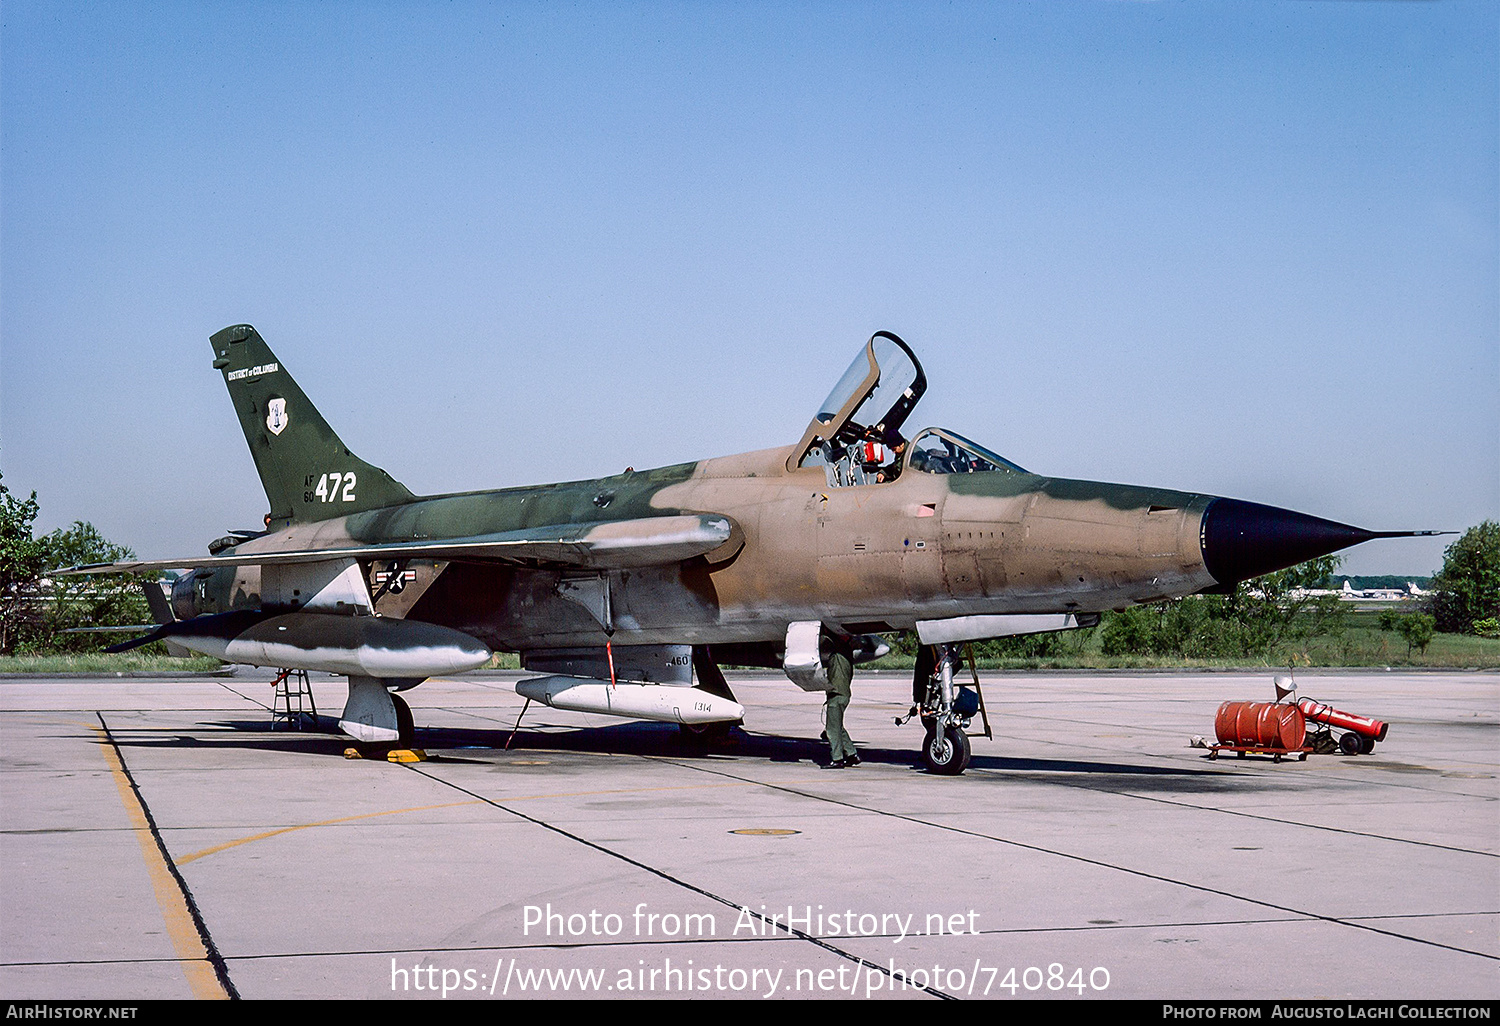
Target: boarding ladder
{"x": 293, "y": 702}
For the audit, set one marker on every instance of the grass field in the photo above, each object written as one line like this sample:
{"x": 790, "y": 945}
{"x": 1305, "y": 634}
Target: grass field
{"x": 107, "y": 662}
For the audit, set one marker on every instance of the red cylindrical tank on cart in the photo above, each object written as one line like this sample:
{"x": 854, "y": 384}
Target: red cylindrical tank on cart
{"x": 1318, "y": 712}
{"x": 1260, "y": 725}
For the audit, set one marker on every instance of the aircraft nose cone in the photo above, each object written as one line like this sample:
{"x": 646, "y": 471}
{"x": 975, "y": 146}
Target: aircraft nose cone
{"x": 1241, "y": 540}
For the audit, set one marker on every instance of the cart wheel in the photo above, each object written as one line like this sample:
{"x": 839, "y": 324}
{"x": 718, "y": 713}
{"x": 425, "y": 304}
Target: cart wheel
{"x": 1366, "y": 745}
{"x": 1351, "y": 743}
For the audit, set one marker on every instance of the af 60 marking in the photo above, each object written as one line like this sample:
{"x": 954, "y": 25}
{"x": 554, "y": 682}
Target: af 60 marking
{"x": 329, "y": 488}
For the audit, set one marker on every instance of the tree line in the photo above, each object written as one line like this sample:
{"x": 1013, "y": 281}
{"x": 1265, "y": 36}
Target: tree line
{"x": 37, "y": 613}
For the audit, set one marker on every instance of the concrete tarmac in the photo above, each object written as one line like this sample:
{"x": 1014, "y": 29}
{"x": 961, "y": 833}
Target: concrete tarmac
{"x": 159, "y": 840}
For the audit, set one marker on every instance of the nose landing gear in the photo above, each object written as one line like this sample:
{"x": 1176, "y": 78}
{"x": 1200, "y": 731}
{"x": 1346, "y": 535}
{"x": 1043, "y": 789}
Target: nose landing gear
{"x": 946, "y": 711}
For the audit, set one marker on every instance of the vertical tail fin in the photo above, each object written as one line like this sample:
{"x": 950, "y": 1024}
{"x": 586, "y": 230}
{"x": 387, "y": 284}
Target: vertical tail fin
{"x": 307, "y": 472}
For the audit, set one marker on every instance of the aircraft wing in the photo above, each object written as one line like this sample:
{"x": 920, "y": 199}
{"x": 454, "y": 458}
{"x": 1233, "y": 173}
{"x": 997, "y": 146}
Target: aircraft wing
{"x": 608, "y": 545}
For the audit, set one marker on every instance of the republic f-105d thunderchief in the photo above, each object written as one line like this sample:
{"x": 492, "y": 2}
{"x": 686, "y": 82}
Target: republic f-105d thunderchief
{"x": 619, "y": 591}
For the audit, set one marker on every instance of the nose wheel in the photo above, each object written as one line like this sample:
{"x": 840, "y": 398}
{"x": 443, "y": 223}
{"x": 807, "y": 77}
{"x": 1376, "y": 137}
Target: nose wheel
{"x": 945, "y": 752}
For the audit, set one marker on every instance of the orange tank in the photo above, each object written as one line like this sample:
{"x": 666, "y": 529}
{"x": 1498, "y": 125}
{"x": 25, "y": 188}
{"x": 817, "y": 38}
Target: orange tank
{"x": 1260, "y": 725}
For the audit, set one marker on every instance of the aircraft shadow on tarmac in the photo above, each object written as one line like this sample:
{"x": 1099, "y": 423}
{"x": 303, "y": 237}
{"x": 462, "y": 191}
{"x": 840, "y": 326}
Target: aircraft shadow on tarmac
{"x": 451, "y": 745}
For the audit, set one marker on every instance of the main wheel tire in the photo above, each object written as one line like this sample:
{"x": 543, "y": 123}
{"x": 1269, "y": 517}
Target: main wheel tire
{"x": 406, "y": 727}
{"x": 946, "y": 754}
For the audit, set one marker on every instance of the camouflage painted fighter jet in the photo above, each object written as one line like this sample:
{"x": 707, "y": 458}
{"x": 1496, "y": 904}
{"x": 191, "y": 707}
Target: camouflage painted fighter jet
{"x": 618, "y": 591}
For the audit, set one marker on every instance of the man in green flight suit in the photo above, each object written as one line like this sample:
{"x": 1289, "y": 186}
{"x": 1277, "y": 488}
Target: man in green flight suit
{"x": 840, "y": 677}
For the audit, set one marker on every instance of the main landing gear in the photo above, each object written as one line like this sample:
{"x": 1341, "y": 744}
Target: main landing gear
{"x": 406, "y": 727}
{"x": 375, "y": 715}
{"x": 703, "y": 737}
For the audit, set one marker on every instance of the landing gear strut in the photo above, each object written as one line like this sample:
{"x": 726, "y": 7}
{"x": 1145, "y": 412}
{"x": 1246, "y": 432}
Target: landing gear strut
{"x": 945, "y": 711}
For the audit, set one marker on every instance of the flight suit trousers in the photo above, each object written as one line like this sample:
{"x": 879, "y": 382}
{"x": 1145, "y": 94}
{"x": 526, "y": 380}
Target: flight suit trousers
{"x": 840, "y": 679}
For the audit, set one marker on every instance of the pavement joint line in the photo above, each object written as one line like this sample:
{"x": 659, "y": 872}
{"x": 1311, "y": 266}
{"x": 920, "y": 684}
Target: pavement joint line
{"x": 198, "y": 956}
{"x": 1309, "y": 826}
{"x": 660, "y": 942}
{"x": 1063, "y": 781}
{"x": 416, "y": 768}
{"x": 1097, "y": 862}
{"x": 246, "y": 697}
{"x": 1231, "y": 768}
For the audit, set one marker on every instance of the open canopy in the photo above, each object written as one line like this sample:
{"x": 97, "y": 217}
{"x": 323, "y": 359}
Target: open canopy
{"x": 869, "y": 403}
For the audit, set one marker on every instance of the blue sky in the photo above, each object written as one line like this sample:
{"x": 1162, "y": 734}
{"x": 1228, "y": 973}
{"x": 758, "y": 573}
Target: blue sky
{"x": 1246, "y": 249}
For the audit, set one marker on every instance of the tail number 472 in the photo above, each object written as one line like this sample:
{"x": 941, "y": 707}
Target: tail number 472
{"x": 334, "y": 487}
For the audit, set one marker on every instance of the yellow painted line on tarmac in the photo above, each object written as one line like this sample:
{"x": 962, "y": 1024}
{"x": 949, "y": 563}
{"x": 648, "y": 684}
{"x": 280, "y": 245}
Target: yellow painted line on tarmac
{"x": 449, "y": 805}
{"x": 307, "y": 826}
{"x": 192, "y": 956}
